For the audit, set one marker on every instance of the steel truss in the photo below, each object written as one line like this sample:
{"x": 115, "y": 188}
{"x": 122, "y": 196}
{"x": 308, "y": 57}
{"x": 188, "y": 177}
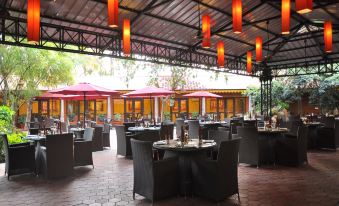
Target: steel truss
{"x": 61, "y": 38}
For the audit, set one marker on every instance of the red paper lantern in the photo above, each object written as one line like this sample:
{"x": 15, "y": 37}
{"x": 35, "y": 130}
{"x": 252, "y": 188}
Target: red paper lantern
{"x": 303, "y": 6}
{"x": 113, "y": 12}
{"x": 126, "y": 37}
{"x": 237, "y": 16}
{"x": 206, "y": 31}
{"x": 258, "y": 49}
{"x": 285, "y": 16}
{"x": 328, "y": 36}
{"x": 221, "y": 54}
{"x": 33, "y": 21}
{"x": 249, "y": 62}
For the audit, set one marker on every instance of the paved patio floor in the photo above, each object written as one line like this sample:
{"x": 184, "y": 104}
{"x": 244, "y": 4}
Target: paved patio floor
{"x": 111, "y": 181}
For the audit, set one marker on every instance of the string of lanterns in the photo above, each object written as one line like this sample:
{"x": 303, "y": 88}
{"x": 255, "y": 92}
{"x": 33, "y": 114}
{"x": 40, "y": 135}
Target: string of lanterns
{"x": 302, "y": 7}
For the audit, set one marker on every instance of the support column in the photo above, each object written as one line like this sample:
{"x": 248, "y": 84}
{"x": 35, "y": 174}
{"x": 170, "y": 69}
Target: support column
{"x": 109, "y": 106}
{"x": 203, "y": 106}
{"x": 62, "y": 111}
{"x": 156, "y": 109}
{"x": 266, "y": 93}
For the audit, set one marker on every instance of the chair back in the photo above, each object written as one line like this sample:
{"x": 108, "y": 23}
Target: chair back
{"x": 33, "y": 131}
{"x": 193, "y": 129}
{"x": 148, "y": 135}
{"x": 166, "y": 130}
{"x": 294, "y": 127}
{"x": 336, "y": 127}
{"x": 178, "y": 124}
{"x": 228, "y": 158}
{"x": 59, "y": 151}
{"x": 302, "y": 136}
{"x": 249, "y": 146}
{"x": 218, "y": 136}
{"x": 64, "y": 127}
{"x": 5, "y": 146}
{"x": 234, "y": 124}
{"x": 142, "y": 164}
{"x": 97, "y": 144}
{"x": 107, "y": 128}
{"x": 88, "y": 134}
{"x": 328, "y": 121}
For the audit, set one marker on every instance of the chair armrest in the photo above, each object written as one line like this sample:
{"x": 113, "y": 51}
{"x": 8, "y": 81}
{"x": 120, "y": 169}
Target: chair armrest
{"x": 20, "y": 144}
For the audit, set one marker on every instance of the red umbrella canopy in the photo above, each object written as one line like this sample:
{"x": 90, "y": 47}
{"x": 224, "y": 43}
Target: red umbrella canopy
{"x": 88, "y": 97}
{"x": 149, "y": 92}
{"x": 199, "y": 94}
{"x": 48, "y": 95}
{"x": 84, "y": 88}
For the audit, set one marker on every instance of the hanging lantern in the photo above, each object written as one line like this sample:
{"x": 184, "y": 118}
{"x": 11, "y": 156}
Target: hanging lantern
{"x": 113, "y": 12}
{"x": 33, "y": 21}
{"x": 285, "y": 16}
{"x": 328, "y": 36}
{"x": 126, "y": 37}
{"x": 221, "y": 54}
{"x": 258, "y": 49}
{"x": 206, "y": 31}
{"x": 303, "y": 6}
{"x": 237, "y": 16}
{"x": 249, "y": 62}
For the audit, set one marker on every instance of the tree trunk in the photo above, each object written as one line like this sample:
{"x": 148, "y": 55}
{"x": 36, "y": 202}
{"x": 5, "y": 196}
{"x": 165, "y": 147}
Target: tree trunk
{"x": 5, "y": 93}
{"x": 29, "y": 112}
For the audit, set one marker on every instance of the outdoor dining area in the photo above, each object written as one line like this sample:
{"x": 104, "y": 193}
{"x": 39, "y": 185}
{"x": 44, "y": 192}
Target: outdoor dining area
{"x": 133, "y": 102}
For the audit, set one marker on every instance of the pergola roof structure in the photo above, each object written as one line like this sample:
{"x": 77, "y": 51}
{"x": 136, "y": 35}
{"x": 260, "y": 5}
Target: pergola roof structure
{"x": 163, "y": 31}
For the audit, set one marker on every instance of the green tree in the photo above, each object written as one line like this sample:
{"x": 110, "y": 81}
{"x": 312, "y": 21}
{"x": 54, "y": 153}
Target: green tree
{"x": 23, "y": 71}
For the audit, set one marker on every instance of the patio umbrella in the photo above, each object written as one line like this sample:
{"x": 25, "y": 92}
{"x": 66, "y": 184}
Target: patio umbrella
{"x": 149, "y": 92}
{"x": 201, "y": 94}
{"x": 84, "y": 89}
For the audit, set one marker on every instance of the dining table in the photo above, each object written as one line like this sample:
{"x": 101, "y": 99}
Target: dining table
{"x": 78, "y": 132}
{"x": 271, "y": 135}
{"x": 142, "y": 129}
{"x": 186, "y": 153}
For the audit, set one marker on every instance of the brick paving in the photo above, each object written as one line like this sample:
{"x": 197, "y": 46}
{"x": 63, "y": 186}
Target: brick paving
{"x": 111, "y": 182}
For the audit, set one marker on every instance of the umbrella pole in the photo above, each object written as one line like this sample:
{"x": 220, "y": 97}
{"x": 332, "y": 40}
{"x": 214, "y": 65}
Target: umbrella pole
{"x": 85, "y": 106}
{"x": 150, "y": 99}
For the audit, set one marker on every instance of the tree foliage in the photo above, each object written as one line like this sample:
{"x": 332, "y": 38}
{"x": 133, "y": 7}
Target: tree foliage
{"x": 323, "y": 91}
{"x": 23, "y": 71}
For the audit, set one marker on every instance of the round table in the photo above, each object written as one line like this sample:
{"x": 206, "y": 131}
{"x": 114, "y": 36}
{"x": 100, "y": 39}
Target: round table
{"x": 141, "y": 129}
{"x": 185, "y": 154}
{"x": 78, "y": 132}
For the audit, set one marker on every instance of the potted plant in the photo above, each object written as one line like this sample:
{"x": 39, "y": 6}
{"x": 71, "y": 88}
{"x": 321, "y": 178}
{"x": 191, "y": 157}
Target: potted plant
{"x": 195, "y": 115}
{"x": 167, "y": 115}
{"x": 117, "y": 118}
{"x": 101, "y": 117}
{"x": 71, "y": 117}
{"x": 21, "y": 121}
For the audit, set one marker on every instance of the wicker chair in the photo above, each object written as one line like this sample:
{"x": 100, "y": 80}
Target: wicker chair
{"x": 106, "y": 135}
{"x": 328, "y": 136}
{"x": 253, "y": 149}
{"x": 97, "y": 139}
{"x": 218, "y": 179}
{"x": 19, "y": 158}
{"x": 153, "y": 179}
{"x": 83, "y": 149}
{"x": 178, "y": 124}
{"x": 57, "y": 162}
{"x": 218, "y": 136}
{"x": 123, "y": 141}
{"x": 293, "y": 151}
{"x": 193, "y": 129}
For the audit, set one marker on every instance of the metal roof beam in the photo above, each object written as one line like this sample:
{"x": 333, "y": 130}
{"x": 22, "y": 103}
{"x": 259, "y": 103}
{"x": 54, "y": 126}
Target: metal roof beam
{"x": 143, "y": 11}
